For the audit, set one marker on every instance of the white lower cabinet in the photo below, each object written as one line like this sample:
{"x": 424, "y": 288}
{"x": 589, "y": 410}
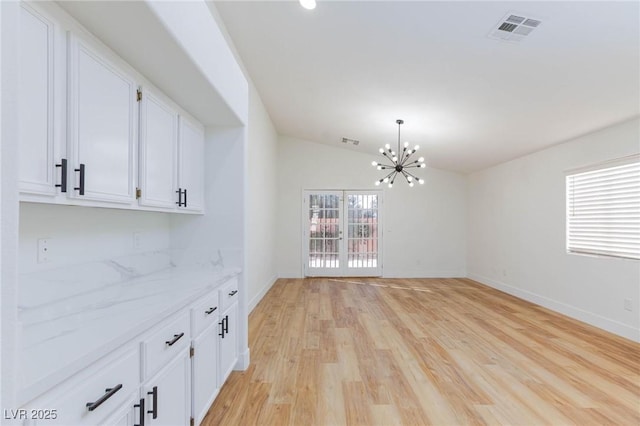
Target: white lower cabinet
{"x": 92, "y": 396}
{"x": 162, "y": 377}
{"x": 204, "y": 367}
{"x": 168, "y": 394}
{"x": 228, "y": 342}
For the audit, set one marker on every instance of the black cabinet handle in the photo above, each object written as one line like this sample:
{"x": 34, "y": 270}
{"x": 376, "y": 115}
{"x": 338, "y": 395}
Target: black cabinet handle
{"x": 154, "y": 403}
{"x": 176, "y": 337}
{"x": 109, "y": 392}
{"x": 226, "y": 324}
{"x": 233, "y": 293}
{"x": 142, "y": 412}
{"x": 180, "y": 193}
{"x": 81, "y": 187}
{"x": 210, "y": 311}
{"x": 63, "y": 175}
{"x": 221, "y": 323}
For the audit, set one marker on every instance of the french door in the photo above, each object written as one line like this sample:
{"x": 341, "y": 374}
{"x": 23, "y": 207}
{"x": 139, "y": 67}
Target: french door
{"x": 342, "y": 233}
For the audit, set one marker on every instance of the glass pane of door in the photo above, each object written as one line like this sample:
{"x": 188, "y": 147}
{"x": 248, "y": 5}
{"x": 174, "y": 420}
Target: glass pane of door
{"x": 362, "y": 240}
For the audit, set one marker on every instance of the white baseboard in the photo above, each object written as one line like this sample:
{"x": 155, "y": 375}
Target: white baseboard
{"x": 596, "y": 320}
{"x": 404, "y": 273}
{"x": 258, "y": 297}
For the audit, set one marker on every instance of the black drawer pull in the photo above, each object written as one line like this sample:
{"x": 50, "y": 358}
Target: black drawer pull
{"x": 154, "y": 404}
{"x": 226, "y": 324}
{"x": 221, "y": 324}
{"x": 176, "y": 337}
{"x": 80, "y": 188}
{"x": 142, "y": 412}
{"x": 185, "y": 198}
{"x": 210, "y": 311}
{"x": 109, "y": 392}
{"x": 233, "y": 293}
{"x": 63, "y": 175}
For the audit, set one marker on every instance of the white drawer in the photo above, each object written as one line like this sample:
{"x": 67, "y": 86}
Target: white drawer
{"x": 164, "y": 343}
{"x": 204, "y": 313}
{"x": 94, "y": 395}
{"x": 229, "y": 293}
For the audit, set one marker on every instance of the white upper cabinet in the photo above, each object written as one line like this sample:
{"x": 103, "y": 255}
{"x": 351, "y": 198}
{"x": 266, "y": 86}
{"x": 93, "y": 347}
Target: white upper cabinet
{"x": 102, "y": 124}
{"x": 158, "y": 152}
{"x": 191, "y": 165}
{"x": 41, "y": 103}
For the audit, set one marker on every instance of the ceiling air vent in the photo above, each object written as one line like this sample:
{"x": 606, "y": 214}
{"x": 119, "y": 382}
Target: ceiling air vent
{"x": 514, "y": 27}
{"x": 350, "y": 141}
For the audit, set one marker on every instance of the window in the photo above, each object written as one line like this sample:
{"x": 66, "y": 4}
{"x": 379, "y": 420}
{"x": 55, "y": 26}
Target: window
{"x": 603, "y": 209}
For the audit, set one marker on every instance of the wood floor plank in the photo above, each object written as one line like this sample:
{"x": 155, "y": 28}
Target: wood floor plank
{"x": 374, "y": 351}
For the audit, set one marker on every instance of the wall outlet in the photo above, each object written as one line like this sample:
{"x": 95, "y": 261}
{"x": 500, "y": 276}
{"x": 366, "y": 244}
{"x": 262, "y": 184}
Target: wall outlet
{"x": 43, "y": 250}
{"x": 627, "y": 305}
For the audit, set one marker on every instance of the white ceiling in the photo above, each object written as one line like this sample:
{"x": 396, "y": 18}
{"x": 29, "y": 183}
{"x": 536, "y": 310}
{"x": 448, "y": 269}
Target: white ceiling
{"x": 351, "y": 68}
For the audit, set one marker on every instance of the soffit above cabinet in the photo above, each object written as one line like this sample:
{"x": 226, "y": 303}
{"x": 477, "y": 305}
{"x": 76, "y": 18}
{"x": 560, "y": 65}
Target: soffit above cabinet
{"x": 134, "y": 31}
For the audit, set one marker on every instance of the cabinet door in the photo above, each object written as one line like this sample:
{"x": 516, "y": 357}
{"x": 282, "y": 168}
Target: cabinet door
{"x": 204, "y": 369}
{"x": 228, "y": 342}
{"x": 40, "y": 97}
{"x": 158, "y": 152}
{"x": 126, "y": 415}
{"x": 103, "y": 125}
{"x": 191, "y": 168}
{"x": 168, "y": 394}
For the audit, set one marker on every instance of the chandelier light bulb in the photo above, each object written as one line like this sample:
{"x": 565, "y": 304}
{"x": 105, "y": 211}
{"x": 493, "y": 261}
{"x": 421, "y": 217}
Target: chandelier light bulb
{"x": 417, "y": 147}
{"x": 379, "y": 167}
{"x": 409, "y": 178}
{"x": 394, "y": 158}
{"x": 381, "y": 150}
{"x": 421, "y": 159}
{"x": 423, "y": 165}
{"x": 387, "y": 146}
{"x": 406, "y": 144}
{"x": 308, "y": 4}
{"x": 390, "y": 185}
{"x": 374, "y": 163}
{"x": 385, "y": 180}
{"x": 411, "y": 184}
{"x": 377, "y": 183}
{"x": 421, "y": 181}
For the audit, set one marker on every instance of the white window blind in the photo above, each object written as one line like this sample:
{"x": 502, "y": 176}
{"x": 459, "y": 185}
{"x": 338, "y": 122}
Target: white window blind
{"x": 603, "y": 210}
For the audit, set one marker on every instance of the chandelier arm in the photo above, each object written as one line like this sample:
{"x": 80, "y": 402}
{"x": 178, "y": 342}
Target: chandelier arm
{"x": 407, "y": 157}
{"x": 412, "y": 166}
{"x": 406, "y": 176}
{"x": 388, "y": 176}
{"x": 386, "y": 165}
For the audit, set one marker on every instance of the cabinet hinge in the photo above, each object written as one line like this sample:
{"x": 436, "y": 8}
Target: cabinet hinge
{"x": 138, "y": 193}
{"x": 192, "y": 422}
{"x": 192, "y": 351}
{"x": 139, "y": 95}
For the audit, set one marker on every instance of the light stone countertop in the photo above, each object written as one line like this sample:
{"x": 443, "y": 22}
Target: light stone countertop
{"x": 75, "y": 315}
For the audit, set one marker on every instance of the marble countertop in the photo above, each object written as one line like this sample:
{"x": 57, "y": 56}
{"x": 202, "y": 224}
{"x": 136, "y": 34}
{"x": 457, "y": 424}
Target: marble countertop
{"x": 75, "y": 315}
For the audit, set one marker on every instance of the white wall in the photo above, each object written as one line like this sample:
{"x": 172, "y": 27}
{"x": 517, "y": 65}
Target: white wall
{"x": 262, "y": 200}
{"x": 423, "y": 227}
{"x": 84, "y": 234}
{"x": 516, "y": 234}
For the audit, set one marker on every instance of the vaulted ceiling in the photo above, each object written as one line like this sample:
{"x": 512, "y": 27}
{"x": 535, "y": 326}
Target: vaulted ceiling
{"x": 351, "y": 68}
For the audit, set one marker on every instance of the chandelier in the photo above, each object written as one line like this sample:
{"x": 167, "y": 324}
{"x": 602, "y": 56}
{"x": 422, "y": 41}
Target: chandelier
{"x": 400, "y": 162}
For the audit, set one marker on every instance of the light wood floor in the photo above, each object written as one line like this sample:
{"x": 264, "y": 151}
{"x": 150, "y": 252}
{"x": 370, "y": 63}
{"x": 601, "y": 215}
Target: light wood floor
{"x": 424, "y": 351}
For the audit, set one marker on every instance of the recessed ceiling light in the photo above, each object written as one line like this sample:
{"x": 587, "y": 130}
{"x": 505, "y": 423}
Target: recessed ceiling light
{"x": 308, "y": 4}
